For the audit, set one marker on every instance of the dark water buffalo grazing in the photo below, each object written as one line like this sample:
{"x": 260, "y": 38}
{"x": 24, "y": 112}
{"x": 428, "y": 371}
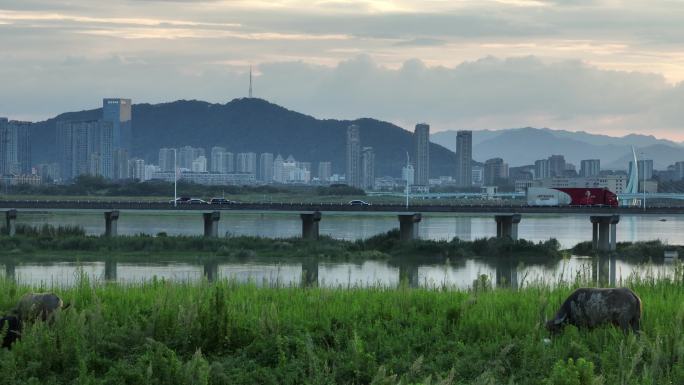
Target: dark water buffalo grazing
{"x": 589, "y": 307}
{"x": 37, "y": 305}
{"x": 10, "y": 329}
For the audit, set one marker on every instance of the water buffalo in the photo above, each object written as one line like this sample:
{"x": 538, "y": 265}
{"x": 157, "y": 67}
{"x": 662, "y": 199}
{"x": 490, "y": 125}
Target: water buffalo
{"x": 589, "y": 307}
{"x": 11, "y": 328}
{"x": 34, "y": 305}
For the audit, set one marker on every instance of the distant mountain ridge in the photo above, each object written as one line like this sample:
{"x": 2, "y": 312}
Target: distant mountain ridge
{"x": 520, "y": 146}
{"x": 250, "y": 124}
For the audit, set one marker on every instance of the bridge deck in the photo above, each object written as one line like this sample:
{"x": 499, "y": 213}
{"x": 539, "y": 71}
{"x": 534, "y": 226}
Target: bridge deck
{"x": 375, "y": 208}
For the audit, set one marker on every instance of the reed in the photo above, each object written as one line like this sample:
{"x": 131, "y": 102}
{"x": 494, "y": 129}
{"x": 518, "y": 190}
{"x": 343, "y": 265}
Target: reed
{"x": 227, "y": 333}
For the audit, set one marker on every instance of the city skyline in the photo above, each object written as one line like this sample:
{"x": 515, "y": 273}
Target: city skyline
{"x": 600, "y": 66}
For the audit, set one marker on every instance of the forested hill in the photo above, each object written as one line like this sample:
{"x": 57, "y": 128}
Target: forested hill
{"x": 251, "y": 124}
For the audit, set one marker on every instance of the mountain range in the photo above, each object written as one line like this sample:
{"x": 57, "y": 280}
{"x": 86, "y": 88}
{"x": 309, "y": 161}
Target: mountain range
{"x": 251, "y": 124}
{"x": 520, "y": 146}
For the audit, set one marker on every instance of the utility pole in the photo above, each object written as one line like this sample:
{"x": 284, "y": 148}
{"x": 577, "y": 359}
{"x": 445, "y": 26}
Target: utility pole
{"x": 407, "y": 180}
{"x": 643, "y": 171}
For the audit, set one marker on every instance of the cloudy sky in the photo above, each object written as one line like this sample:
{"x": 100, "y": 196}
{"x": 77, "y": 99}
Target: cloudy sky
{"x": 603, "y": 66}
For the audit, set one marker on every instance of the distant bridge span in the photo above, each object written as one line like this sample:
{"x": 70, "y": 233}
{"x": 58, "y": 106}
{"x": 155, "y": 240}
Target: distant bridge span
{"x": 334, "y": 207}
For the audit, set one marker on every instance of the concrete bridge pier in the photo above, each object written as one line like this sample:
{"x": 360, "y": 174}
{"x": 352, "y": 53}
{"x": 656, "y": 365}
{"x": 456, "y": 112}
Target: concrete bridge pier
{"x": 11, "y": 222}
{"x": 310, "y": 224}
{"x": 211, "y": 221}
{"x": 604, "y": 231}
{"x": 408, "y": 226}
{"x": 211, "y": 271}
{"x": 110, "y": 270}
{"x": 111, "y": 223}
{"x": 408, "y": 272}
{"x": 604, "y": 271}
{"x": 506, "y": 273}
{"x": 507, "y": 226}
{"x": 10, "y": 270}
{"x": 310, "y": 273}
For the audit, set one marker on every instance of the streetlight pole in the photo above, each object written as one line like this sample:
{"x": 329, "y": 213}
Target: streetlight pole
{"x": 175, "y": 179}
{"x": 643, "y": 172}
{"x": 407, "y": 179}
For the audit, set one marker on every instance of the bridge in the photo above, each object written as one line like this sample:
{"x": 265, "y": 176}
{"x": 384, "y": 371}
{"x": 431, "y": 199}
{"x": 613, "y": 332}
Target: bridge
{"x": 603, "y": 219}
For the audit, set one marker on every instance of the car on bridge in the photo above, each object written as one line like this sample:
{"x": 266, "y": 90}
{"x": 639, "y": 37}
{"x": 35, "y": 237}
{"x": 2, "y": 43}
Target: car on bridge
{"x": 221, "y": 201}
{"x": 181, "y": 200}
{"x": 358, "y": 202}
{"x": 197, "y": 201}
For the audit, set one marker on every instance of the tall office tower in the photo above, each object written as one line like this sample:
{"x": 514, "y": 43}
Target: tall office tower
{"x": 353, "y": 176}
{"x": 137, "y": 169}
{"x": 368, "y": 168}
{"x": 590, "y": 167}
{"x": 464, "y": 158}
{"x": 23, "y": 132}
{"x": 644, "y": 169}
{"x": 542, "y": 169}
{"x": 408, "y": 174}
{"x": 228, "y": 162}
{"x": 85, "y": 147}
{"x": 493, "y": 171}
{"x": 246, "y": 163}
{"x": 679, "y": 170}
{"x": 278, "y": 169}
{"x": 121, "y": 166}
{"x": 557, "y": 165}
{"x": 166, "y": 159}
{"x": 4, "y": 146}
{"x": 421, "y": 137}
{"x": 324, "y": 171}
{"x": 118, "y": 112}
{"x": 218, "y": 159}
{"x": 15, "y": 147}
{"x": 266, "y": 167}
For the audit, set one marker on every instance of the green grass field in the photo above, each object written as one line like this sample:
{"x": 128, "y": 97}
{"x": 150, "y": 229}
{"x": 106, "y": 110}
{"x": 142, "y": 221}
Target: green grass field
{"x": 224, "y": 333}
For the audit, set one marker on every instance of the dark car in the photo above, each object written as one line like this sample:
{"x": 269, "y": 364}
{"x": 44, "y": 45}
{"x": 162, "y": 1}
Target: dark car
{"x": 357, "y": 202}
{"x": 181, "y": 200}
{"x": 221, "y": 201}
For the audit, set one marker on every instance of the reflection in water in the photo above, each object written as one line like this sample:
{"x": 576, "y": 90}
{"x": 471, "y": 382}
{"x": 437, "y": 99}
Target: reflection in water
{"x": 568, "y": 229}
{"x": 502, "y": 272}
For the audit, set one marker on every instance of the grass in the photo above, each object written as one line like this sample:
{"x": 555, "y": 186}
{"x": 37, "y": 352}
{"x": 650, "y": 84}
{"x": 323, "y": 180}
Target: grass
{"x": 223, "y": 333}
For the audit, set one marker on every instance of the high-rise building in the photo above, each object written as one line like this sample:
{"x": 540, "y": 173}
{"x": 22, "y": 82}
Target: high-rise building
{"x": 421, "y": 138}
{"x": 644, "y": 169}
{"x": 590, "y": 167}
{"x": 493, "y": 171}
{"x": 85, "y": 147}
{"x": 557, "y": 165}
{"x": 266, "y": 167}
{"x": 464, "y": 156}
{"x": 121, "y": 166}
{"x": 229, "y": 162}
{"x": 137, "y": 169}
{"x": 542, "y": 169}
{"x": 167, "y": 159}
{"x": 218, "y": 162}
{"x": 15, "y": 147}
{"x": 353, "y": 176}
{"x": 118, "y": 112}
{"x": 679, "y": 170}
{"x": 368, "y": 168}
{"x": 324, "y": 171}
{"x": 246, "y": 163}
{"x": 199, "y": 164}
{"x": 477, "y": 175}
{"x": 278, "y": 169}
{"x": 187, "y": 154}
{"x": 408, "y": 174}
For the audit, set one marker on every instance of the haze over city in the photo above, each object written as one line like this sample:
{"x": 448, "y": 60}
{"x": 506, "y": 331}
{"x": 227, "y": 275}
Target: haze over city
{"x": 601, "y": 66}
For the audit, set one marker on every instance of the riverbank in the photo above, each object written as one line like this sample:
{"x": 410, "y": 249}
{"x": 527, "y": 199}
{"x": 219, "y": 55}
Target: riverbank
{"x": 71, "y": 243}
{"x": 224, "y": 333}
